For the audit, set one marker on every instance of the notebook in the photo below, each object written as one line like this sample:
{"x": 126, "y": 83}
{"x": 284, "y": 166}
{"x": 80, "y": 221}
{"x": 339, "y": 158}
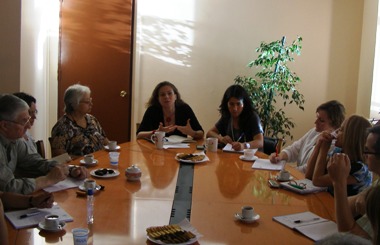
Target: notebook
{"x": 296, "y": 186}
{"x": 18, "y": 223}
{"x": 267, "y": 165}
{"x": 309, "y": 224}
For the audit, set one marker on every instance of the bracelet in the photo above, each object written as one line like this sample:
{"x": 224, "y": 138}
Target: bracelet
{"x": 153, "y": 131}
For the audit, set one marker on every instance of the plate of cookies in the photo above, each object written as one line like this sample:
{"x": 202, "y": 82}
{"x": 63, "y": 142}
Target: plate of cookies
{"x": 179, "y": 234}
{"x": 191, "y": 157}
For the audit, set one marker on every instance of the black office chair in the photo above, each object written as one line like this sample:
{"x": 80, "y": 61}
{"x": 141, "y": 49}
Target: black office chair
{"x": 40, "y": 148}
{"x": 270, "y": 145}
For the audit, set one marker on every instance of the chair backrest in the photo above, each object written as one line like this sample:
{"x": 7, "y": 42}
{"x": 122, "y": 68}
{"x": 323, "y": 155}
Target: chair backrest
{"x": 40, "y": 148}
{"x": 271, "y": 144}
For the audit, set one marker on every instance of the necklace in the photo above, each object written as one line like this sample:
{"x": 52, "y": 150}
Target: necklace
{"x": 169, "y": 118}
{"x": 233, "y": 133}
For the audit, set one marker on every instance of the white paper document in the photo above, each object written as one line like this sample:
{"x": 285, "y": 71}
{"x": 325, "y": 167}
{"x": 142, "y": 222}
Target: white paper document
{"x": 309, "y": 224}
{"x": 303, "y": 186}
{"x": 30, "y": 221}
{"x": 64, "y": 184}
{"x": 228, "y": 148}
{"x": 176, "y": 139}
{"x": 267, "y": 165}
{"x": 177, "y": 146}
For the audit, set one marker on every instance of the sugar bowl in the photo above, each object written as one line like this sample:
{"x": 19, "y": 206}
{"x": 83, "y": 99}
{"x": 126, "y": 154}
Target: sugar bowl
{"x": 133, "y": 173}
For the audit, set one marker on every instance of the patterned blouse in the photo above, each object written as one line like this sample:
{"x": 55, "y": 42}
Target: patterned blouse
{"x": 74, "y": 139}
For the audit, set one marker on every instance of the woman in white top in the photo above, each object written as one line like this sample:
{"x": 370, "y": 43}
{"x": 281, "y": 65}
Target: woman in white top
{"x": 330, "y": 116}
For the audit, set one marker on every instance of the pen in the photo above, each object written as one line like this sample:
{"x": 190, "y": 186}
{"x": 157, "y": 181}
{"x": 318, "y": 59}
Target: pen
{"x": 296, "y": 186}
{"x": 241, "y": 136}
{"x": 29, "y": 214}
{"x": 308, "y": 220}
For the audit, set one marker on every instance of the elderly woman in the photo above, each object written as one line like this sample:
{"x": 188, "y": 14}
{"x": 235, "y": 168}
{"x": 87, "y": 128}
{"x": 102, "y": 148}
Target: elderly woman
{"x": 169, "y": 113}
{"x": 77, "y": 132}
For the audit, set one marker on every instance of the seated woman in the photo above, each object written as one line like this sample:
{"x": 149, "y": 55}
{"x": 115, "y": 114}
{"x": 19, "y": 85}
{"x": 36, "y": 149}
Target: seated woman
{"x": 350, "y": 140}
{"x": 330, "y": 115}
{"x": 169, "y": 113}
{"x": 77, "y": 132}
{"x": 239, "y": 124}
{"x": 355, "y": 214}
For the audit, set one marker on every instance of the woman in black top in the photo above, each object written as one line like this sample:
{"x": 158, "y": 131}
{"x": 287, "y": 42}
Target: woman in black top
{"x": 169, "y": 113}
{"x": 239, "y": 124}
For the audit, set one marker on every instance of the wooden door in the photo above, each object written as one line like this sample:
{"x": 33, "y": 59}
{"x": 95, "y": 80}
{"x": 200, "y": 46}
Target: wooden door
{"x": 96, "y": 50}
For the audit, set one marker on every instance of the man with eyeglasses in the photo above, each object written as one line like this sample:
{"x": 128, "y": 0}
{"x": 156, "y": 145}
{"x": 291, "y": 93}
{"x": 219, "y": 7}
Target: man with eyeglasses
{"x": 15, "y": 160}
{"x": 351, "y": 211}
{"x": 27, "y": 137}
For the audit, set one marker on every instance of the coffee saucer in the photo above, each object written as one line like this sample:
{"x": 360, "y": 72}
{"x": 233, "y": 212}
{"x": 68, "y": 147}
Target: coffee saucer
{"x": 42, "y": 226}
{"x": 108, "y": 149}
{"x": 94, "y": 162}
{"x": 239, "y": 217}
{"x": 82, "y": 188}
{"x": 283, "y": 180}
{"x": 248, "y": 160}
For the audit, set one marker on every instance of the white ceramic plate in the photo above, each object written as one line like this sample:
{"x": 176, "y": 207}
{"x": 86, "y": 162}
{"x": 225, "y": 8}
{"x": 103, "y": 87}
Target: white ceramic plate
{"x": 248, "y": 160}
{"x": 41, "y": 225}
{"x": 190, "y": 161}
{"x": 239, "y": 217}
{"x": 108, "y": 149}
{"x": 94, "y": 162}
{"x": 116, "y": 173}
{"x": 281, "y": 180}
{"x": 191, "y": 241}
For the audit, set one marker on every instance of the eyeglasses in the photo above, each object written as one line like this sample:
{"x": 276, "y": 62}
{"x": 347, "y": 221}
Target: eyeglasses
{"x": 21, "y": 123}
{"x": 35, "y": 112}
{"x": 298, "y": 185}
{"x": 371, "y": 153}
{"x": 86, "y": 101}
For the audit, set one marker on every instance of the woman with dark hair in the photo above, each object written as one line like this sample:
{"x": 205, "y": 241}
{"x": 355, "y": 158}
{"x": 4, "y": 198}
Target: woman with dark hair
{"x": 239, "y": 124}
{"x": 77, "y": 132}
{"x": 31, "y": 101}
{"x": 167, "y": 112}
{"x": 350, "y": 139}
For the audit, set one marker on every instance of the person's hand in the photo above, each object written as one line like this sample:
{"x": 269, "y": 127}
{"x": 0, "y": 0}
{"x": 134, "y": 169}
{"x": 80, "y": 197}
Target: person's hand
{"x": 42, "y": 200}
{"x": 339, "y": 167}
{"x": 226, "y": 140}
{"x": 58, "y": 173}
{"x": 237, "y": 146}
{"x": 166, "y": 129}
{"x": 274, "y": 158}
{"x": 79, "y": 172}
{"x": 325, "y": 138}
{"x": 187, "y": 129}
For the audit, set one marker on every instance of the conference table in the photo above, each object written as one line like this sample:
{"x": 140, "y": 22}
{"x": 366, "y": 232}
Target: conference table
{"x": 221, "y": 186}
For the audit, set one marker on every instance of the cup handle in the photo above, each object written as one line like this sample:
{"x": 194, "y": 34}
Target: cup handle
{"x": 153, "y": 138}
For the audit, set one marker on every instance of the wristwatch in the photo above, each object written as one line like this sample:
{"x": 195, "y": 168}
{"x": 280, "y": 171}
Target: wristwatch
{"x": 247, "y": 145}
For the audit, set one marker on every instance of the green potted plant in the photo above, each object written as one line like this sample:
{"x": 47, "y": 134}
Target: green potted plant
{"x": 274, "y": 86}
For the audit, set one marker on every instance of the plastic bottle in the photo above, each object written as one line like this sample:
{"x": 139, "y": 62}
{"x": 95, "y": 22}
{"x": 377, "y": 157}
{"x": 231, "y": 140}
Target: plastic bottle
{"x": 90, "y": 206}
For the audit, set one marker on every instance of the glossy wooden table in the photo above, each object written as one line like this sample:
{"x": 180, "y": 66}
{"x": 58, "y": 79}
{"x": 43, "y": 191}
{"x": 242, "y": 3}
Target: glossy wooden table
{"x": 221, "y": 187}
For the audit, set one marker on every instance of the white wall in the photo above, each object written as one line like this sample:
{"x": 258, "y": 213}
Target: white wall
{"x": 210, "y": 42}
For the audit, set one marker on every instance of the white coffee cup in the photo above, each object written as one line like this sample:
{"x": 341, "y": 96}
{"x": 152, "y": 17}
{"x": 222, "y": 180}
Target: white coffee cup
{"x": 247, "y": 212}
{"x": 114, "y": 158}
{"x": 212, "y": 144}
{"x": 89, "y": 158}
{"x": 112, "y": 145}
{"x": 89, "y": 184}
{"x": 80, "y": 236}
{"x": 249, "y": 153}
{"x": 158, "y": 139}
{"x": 284, "y": 175}
{"x": 51, "y": 221}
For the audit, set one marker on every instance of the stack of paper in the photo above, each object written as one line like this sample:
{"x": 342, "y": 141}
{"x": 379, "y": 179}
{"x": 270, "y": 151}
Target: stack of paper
{"x": 303, "y": 186}
{"x": 267, "y": 165}
{"x": 18, "y": 223}
{"x": 228, "y": 148}
{"x": 309, "y": 224}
